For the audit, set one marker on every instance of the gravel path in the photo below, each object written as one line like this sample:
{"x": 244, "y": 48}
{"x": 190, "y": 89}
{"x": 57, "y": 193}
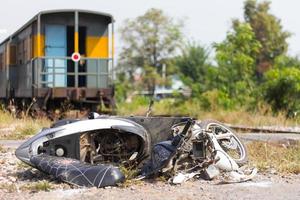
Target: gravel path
{"x": 18, "y": 181}
{"x": 13, "y": 144}
{"x": 286, "y": 139}
{"x": 263, "y": 187}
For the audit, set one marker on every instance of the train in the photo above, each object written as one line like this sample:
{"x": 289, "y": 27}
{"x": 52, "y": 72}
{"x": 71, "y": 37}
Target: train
{"x": 59, "y": 57}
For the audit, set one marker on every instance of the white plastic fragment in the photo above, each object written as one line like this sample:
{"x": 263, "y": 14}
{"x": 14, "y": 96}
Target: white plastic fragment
{"x": 239, "y": 176}
{"x": 211, "y": 172}
{"x": 133, "y": 156}
{"x": 181, "y": 178}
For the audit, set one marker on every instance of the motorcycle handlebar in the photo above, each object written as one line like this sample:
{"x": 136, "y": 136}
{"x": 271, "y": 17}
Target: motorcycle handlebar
{"x": 177, "y": 140}
{"x": 186, "y": 127}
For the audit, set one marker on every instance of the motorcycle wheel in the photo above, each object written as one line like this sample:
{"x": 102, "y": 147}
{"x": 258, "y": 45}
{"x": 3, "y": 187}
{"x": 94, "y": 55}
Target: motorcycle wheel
{"x": 227, "y": 139}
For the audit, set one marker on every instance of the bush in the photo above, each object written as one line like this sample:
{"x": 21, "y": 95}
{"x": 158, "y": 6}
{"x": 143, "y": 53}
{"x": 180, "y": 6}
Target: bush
{"x": 281, "y": 90}
{"x": 177, "y": 107}
{"x": 138, "y": 106}
{"x": 215, "y": 99}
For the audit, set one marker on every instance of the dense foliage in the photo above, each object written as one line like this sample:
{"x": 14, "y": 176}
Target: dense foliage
{"x": 281, "y": 90}
{"x": 150, "y": 39}
{"x": 268, "y": 32}
{"x": 195, "y": 67}
{"x": 236, "y": 61}
{"x": 250, "y": 67}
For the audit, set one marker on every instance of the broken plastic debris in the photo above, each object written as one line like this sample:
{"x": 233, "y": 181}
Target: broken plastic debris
{"x": 133, "y": 156}
{"x": 181, "y": 178}
{"x": 211, "y": 172}
{"x": 238, "y": 176}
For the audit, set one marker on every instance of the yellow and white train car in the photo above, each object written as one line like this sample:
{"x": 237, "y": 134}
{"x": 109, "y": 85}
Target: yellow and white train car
{"x": 59, "y": 55}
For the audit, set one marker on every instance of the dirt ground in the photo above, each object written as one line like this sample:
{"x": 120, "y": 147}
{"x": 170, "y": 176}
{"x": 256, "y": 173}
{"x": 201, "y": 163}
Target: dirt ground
{"x": 263, "y": 187}
{"x": 17, "y": 181}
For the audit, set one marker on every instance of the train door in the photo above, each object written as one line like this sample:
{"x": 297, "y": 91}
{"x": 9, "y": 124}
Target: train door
{"x": 82, "y": 68}
{"x": 56, "y": 46}
{"x": 82, "y": 50}
{"x": 70, "y": 51}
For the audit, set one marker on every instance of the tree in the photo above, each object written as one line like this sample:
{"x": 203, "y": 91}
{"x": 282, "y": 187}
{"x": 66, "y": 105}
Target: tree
{"x": 236, "y": 57}
{"x": 287, "y": 61}
{"x": 194, "y": 62}
{"x": 194, "y": 66}
{"x": 268, "y": 31}
{"x": 149, "y": 40}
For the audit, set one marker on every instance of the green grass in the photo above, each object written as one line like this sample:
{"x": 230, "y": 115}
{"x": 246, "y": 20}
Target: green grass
{"x": 138, "y": 106}
{"x": 194, "y": 108}
{"x": 271, "y": 156}
{"x": 130, "y": 174}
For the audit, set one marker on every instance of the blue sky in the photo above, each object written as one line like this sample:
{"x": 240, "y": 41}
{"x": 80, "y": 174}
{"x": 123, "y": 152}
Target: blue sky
{"x": 206, "y": 21}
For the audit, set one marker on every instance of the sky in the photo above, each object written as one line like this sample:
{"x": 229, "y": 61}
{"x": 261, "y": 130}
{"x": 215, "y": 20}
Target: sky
{"x": 206, "y": 21}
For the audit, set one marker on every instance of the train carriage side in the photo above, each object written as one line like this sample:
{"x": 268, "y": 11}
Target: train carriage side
{"x": 40, "y": 66}
{"x": 3, "y": 71}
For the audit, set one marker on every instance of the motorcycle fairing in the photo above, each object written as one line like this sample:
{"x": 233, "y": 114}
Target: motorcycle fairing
{"x": 72, "y": 131}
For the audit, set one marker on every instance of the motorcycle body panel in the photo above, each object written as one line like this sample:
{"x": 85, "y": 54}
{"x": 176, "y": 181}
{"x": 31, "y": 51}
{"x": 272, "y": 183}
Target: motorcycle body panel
{"x": 68, "y": 135}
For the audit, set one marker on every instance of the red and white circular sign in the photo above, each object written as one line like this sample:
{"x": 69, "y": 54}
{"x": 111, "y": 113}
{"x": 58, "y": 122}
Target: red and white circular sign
{"x": 76, "y": 57}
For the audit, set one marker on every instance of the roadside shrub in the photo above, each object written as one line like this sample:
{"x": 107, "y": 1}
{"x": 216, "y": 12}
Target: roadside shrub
{"x": 137, "y": 105}
{"x": 281, "y": 90}
{"x": 177, "y": 107}
{"x": 215, "y": 99}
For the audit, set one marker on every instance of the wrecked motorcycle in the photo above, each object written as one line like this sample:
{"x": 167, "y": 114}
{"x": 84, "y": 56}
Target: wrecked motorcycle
{"x": 89, "y": 152}
{"x": 194, "y": 148}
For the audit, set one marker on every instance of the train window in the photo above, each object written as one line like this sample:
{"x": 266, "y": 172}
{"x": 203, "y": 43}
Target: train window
{"x": 24, "y": 51}
{"x": 20, "y": 50}
{"x": 27, "y": 49}
{"x": 13, "y": 54}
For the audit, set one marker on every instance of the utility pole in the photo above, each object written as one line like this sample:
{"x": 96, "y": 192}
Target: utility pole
{"x": 164, "y": 72}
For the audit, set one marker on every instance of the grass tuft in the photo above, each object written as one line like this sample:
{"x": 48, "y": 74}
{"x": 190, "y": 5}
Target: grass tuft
{"x": 2, "y": 149}
{"x": 267, "y": 156}
{"x": 22, "y": 165}
{"x": 5, "y": 118}
{"x": 9, "y": 187}
{"x": 130, "y": 174}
